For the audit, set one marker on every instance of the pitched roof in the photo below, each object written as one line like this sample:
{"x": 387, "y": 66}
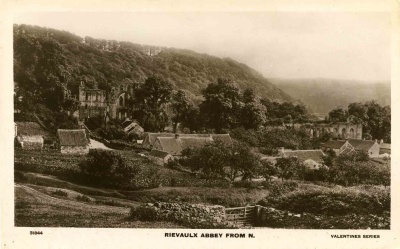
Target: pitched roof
{"x": 361, "y": 144}
{"x": 31, "y": 129}
{"x": 334, "y": 144}
{"x": 158, "y": 153}
{"x": 385, "y": 146}
{"x": 152, "y": 137}
{"x": 175, "y": 146}
{"x": 72, "y": 137}
{"x": 303, "y": 155}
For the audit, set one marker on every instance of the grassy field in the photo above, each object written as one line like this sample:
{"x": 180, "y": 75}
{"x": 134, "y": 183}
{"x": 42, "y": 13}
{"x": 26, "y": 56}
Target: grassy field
{"x": 45, "y": 197}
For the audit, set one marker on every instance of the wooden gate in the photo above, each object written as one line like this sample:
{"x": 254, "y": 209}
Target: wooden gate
{"x": 241, "y": 216}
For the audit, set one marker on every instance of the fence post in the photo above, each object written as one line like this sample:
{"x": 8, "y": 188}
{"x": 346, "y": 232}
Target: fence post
{"x": 257, "y": 214}
{"x": 244, "y": 222}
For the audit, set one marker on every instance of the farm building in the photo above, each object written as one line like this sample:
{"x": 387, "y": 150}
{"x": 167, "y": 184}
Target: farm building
{"x": 160, "y": 157}
{"x": 73, "y": 142}
{"x": 175, "y": 145}
{"x": 338, "y": 146}
{"x": 33, "y": 136}
{"x": 151, "y": 138}
{"x": 370, "y": 146}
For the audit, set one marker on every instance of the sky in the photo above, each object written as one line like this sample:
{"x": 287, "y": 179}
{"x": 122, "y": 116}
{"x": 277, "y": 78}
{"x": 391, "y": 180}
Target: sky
{"x": 334, "y": 45}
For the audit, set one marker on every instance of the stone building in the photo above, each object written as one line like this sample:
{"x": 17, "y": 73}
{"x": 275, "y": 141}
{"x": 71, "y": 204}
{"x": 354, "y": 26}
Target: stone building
{"x": 73, "y": 142}
{"x": 338, "y": 146}
{"x": 31, "y": 136}
{"x": 370, "y": 146}
{"x": 343, "y": 130}
{"x": 116, "y": 104}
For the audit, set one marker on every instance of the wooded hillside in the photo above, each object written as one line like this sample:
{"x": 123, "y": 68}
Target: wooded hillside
{"x": 46, "y": 58}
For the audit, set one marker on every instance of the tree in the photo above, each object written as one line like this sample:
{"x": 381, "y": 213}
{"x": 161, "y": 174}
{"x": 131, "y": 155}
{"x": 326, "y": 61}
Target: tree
{"x": 242, "y": 161}
{"x": 221, "y": 106}
{"x": 253, "y": 115}
{"x": 287, "y": 167}
{"x": 182, "y": 108}
{"x": 267, "y": 170}
{"x": 108, "y": 168}
{"x": 151, "y": 98}
{"x": 216, "y": 160}
{"x": 338, "y": 115}
{"x": 210, "y": 159}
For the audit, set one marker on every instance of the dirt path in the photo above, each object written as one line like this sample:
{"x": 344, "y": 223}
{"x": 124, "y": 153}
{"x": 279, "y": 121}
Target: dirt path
{"x": 97, "y": 145}
{"x": 49, "y": 200}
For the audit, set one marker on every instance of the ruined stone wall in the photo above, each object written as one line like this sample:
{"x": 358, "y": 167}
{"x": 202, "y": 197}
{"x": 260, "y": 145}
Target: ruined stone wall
{"x": 191, "y": 215}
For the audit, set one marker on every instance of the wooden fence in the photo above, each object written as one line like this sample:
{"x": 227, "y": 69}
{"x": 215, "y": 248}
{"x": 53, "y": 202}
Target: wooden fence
{"x": 241, "y": 216}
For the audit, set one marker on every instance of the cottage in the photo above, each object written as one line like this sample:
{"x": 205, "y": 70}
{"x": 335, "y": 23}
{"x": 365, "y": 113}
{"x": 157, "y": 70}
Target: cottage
{"x": 73, "y": 142}
{"x": 160, "y": 157}
{"x": 338, "y": 146}
{"x": 30, "y": 135}
{"x": 175, "y": 145}
{"x": 369, "y": 146}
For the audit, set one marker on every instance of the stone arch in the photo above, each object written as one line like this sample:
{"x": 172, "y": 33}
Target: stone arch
{"x": 351, "y": 133}
{"x": 121, "y": 100}
{"x": 344, "y": 132}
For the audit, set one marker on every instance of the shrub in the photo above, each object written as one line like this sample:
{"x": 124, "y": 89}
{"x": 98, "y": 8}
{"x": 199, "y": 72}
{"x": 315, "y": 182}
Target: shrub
{"x": 60, "y": 193}
{"x": 338, "y": 201}
{"x": 247, "y": 184}
{"x": 143, "y": 213}
{"x": 19, "y": 176}
{"x": 107, "y": 168}
{"x": 83, "y": 198}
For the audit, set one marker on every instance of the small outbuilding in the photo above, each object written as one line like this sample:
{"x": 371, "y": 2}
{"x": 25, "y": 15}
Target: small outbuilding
{"x": 33, "y": 142}
{"x": 32, "y": 136}
{"x": 73, "y": 142}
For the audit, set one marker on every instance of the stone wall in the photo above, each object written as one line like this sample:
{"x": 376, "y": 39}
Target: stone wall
{"x": 75, "y": 150}
{"x": 271, "y": 217}
{"x": 190, "y": 215}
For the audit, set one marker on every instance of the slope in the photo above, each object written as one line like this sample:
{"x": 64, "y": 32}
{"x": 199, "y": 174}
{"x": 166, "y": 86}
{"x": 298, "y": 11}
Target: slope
{"x": 334, "y": 93}
{"x": 46, "y": 59}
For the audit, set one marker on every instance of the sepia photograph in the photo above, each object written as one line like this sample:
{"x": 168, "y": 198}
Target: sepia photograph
{"x": 207, "y": 120}
{"x": 211, "y": 124}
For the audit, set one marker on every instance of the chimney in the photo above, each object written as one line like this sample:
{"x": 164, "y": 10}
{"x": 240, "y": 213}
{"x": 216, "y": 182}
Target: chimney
{"x": 176, "y": 136}
{"x": 376, "y": 140}
{"x": 381, "y": 142}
